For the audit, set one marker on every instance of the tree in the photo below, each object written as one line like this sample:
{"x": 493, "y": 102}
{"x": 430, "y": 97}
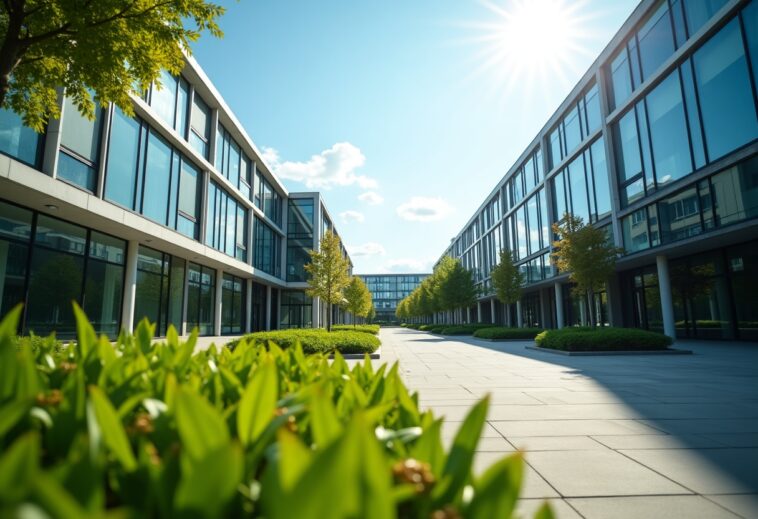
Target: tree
{"x": 507, "y": 279}
{"x": 113, "y": 47}
{"x": 328, "y": 273}
{"x": 584, "y": 252}
{"x": 357, "y": 298}
{"x": 371, "y": 314}
{"x": 457, "y": 288}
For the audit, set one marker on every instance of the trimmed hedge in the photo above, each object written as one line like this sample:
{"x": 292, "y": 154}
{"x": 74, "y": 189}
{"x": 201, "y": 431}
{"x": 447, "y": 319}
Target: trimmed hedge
{"x": 462, "y": 329}
{"x": 365, "y": 328}
{"x": 502, "y": 332}
{"x": 602, "y": 339}
{"x": 316, "y": 340}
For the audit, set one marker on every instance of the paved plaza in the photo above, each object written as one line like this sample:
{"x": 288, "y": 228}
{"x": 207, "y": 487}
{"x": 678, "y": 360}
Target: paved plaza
{"x": 607, "y": 436}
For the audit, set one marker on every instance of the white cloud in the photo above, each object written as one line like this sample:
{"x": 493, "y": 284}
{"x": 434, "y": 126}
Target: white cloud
{"x": 352, "y": 216}
{"x": 333, "y": 167}
{"x": 371, "y": 198}
{"x": 424, "y": 209}
{"x": 409, "y": 265}
{"x": 367, "y": 249}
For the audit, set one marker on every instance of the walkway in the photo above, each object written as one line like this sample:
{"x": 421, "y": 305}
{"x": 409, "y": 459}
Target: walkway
{"x": 634, "y": 436}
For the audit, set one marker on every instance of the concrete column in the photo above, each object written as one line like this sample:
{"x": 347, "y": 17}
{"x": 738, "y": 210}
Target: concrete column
{"x": 268, "y": 307}
{"x": 544, "y": 310}
{"x": 667, "y": 301}
{"x": 249, "y": 305}
{"x": 218, "y": 306}
{"x": 315, "y": 313}
{"x": 519, "y": 317}
{"x": 478, "y": 311}
{"x": 492, "y": 311}
{"x": 468, "y": 313}
{"x": 559, "y": 306}
{"x": 130, "y": 286}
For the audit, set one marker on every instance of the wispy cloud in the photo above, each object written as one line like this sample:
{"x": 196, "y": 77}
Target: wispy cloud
{"x": 333, "y": 167}
{"x": 352, "y": 216}
{"x": 410, "y": 265}
{"x": 424, "y": 209}
{"x": 367, "y": 249}
{"x": 371, "y": 198}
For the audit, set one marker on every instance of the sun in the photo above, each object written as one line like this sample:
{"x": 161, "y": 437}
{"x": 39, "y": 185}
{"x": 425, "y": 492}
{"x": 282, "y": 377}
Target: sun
{"x": 530, "y": 41}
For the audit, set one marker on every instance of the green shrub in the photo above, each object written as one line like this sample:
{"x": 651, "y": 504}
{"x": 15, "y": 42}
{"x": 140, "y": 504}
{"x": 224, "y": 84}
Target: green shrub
{"x": 317, "y": 340}
{"x": 502, "y": 332}
{"x": 365, "y": 328}
{"x": 602, "y": 339}
{"x": 154, "y": 429}
{"x": 462, "y": 329}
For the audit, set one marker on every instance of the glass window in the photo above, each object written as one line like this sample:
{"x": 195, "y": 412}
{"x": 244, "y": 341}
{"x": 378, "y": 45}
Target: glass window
{"x": 559, "y": 190}
{"x": 679, "y": 216}
{"x": 555, "y": 148}
{"x": 656, "y": 41}
{"x": 157, "y": 177}
{"x": 629, "y": 150}
{"x": 102, "y": 296}
{"x": 200, "y": 126}
{"x": 698, "y": 12}
{"x": 123, "y": 151}
{"x": 600, "y": 177}
{"x": 544, "y": 221}
{"x": 188, "y": 184}
{"x": 621, "y": 78}
{"x": 55, "y": 281}
{"x": 80, "y": 138}
{"x": 521, "y": 232}
{"x": 634, "y": 228}
{"x": 17, "y": 140}
{"x": 668, "y": 131}
{"x": 750, "y": 21}
{"x": 60, "y": 235}
{"x": 15, "y": 222}
{"x": 534, "y": 225}
{"x": 572, "y": 130}
{"x": 107, "y": 248}
{"x": 726, "y": 97}
{"x": 592, "y": 100}
{"x": 76, "y": 172}
{"x": 578, "y": 185}
{"x": 693, "y": 116}
{"x": 163, "y": 99}
{"x": 735, "y": 192}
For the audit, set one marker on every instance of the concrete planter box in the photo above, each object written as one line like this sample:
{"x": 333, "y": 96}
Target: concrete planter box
{"x": 359, "y": 356}
{"x": 668, "y": 351}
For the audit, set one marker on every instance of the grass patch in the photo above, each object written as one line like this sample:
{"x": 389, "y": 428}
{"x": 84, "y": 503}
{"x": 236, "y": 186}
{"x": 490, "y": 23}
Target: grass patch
{"x": 602, "y": 339}
{"x": 317, "y": 340}
{"x": 502, "y": 332}
{"x": 365, "y": 328}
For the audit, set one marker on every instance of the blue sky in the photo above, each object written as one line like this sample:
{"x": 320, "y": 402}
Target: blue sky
{"x": 404, "y": 114}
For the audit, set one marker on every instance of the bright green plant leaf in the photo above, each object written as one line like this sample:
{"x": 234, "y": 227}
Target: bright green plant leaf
{"x": 210, "y": 482}
{"x": 544, "y": 512}
{"x": 86, "y": 337}
{"x": 258, "y": 402}
{"x": 294, "y": 458}
{"x": 113, "y": 434}
{"x": 18, "y": 468}
{"x": 457, "y": 467}
{"x": 11, "y": 413}
{"x": 55, "y": 500}
{"x": 324, "y": 422}
{"x": 201, "y": 427}
{"x": 496, "y": 491}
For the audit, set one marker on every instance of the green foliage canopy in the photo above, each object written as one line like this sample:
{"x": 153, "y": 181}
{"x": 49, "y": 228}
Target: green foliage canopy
{"x": 112, "y": 47}
{"x": 507, "y": 279}
{"x": 328, "y": 273}
{"x": 357, "y": 298}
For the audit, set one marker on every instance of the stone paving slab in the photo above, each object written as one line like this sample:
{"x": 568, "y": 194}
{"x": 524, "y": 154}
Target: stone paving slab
{"x": 643, "y": 436}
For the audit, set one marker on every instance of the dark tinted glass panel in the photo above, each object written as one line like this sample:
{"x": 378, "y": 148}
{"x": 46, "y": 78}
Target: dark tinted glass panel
{"x": 107, "y": 248}
{"x": 634, "y": 228}
{"x": 60, "y": 235}
{"x": 656, "y": 40}
{"x": 693, "y": 116}
{"x": 735, "y": 193}
{"x": 750, "y": 21}
{"x": 147, "y": 303}
{"x": 679, "y": 216}
{"x": 157, "y": 177}
{"x": 176, "y": 293}
{"x": 13, "y": 258}
{"x": 668, "y": 131}
{"x": 76, "y": 172}
{"x": 559, "y": 204}
{"x": 55, "y": 281}
{"x": 15, "y": 222}
{"x": 17, "y": 140}
{"x": 121, "y": 176}
{"x": 742, "y": 263}
{"x": 726, "y": 96}
{"x": 102, "y": 296}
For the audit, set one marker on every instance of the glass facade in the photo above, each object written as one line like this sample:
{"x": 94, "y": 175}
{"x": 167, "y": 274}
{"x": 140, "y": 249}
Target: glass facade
{"x": 297, "y": 310}
{"x": 79, "y": 154}
{"x": 201, "y": 287}
{"x": 233, "y": 312}
{"x": 387, "y": 290}
{"x": 160, "y": 290}
{"x": 299, "y": 237}
{"x": 19, "y": 141}
{"x": 268, "y": 246}
{"x": 226, "y": 224}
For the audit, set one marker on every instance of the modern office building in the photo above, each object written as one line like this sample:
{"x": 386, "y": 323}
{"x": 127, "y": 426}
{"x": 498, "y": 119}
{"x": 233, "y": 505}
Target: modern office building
{"x": 658, "y": 144}
{"x": 169, "y": 214}
{"x": 387, "y": 290}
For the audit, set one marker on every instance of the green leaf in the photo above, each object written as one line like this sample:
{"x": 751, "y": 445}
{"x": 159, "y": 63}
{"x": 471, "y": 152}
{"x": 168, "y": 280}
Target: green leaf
{"x": 112, "y": 430}
{"x": 429, "y": 448}
{"x": 294, "y": 458}
{"x": 201, "y": 427}
{"x": 324, "y": 422}
{"x": 11, "y": 413}
{"x": 210, "y": 483}
{"x": 457, "y": 468}
{"x": 18, "y": 468}
{"x": 54, "y": 499}
{"x": 144, "y": 335}
{"x": 544, "y": 512}
{"x": 86, "y": 337}
{"x": 258, "y": 402}
{"x": 185, "y": 351}
{"x": 8, "y": 361}
{"x": 496, "y": 491}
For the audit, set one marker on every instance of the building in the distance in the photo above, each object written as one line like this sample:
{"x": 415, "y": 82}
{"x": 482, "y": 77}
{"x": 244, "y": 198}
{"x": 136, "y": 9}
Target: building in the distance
{"x": 387, "y": 290}
{"x": 657, "y": 144}
{"x": 170, "y": 214}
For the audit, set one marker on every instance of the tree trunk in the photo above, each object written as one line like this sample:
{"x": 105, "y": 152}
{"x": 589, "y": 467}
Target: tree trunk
{"x": 329, "y": 317}
{"x": 11, "y": 51}
{"x": 591, "y": 307}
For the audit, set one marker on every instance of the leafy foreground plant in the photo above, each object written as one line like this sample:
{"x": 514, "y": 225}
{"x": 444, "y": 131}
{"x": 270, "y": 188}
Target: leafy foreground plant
{"x": 144, "y": 429}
